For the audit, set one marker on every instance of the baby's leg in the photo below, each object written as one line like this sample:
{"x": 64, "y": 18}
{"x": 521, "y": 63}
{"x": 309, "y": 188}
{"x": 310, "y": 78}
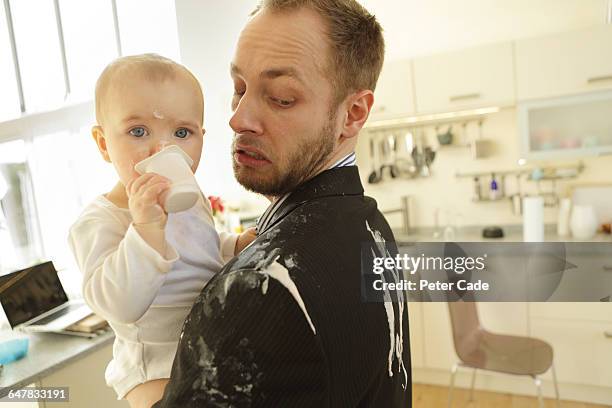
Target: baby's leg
{"x": 146, "y": 394}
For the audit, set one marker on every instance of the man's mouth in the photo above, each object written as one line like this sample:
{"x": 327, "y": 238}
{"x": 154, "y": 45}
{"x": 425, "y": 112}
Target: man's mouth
{"x": 249, "y": 157}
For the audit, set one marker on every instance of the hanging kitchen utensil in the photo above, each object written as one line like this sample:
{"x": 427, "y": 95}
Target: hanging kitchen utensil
{"x": 392, "y": 165}
{"x": 403, "y": 161}
{"x": 445, "y": 138}
{"x": 374, "y": 176}
{"x": 382, "y": 146}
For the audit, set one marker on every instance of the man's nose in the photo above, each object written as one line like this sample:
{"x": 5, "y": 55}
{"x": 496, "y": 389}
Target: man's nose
{"x": 247, "y": 116}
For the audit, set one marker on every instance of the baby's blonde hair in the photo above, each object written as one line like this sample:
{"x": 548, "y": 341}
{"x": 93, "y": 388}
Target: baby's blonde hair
{"x": 153, "y": 67}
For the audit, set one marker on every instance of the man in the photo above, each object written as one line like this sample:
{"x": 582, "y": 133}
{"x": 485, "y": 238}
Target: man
{"x": 283, "y": 324}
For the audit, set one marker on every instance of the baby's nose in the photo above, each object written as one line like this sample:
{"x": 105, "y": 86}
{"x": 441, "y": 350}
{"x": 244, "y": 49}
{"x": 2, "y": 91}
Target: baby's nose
{"x": 159, "y": 146}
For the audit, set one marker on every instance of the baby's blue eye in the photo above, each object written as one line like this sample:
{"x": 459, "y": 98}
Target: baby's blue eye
{"x": 182, "y": 133}
{"x": 138, "y": 132}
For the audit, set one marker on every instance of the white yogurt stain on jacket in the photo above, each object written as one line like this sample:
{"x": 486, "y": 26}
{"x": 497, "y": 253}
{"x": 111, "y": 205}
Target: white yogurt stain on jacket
{"x": 277, "y": 271}
{"x": 396, "y": 343}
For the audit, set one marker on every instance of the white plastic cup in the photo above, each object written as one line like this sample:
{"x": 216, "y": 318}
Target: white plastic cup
{"x": 174, "y": 164}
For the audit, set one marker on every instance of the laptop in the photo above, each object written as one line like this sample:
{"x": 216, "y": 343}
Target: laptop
{"x": 34, "y": 300}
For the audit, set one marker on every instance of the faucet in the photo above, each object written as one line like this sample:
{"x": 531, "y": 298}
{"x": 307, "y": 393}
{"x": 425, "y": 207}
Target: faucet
{"x": 404, "y": 210}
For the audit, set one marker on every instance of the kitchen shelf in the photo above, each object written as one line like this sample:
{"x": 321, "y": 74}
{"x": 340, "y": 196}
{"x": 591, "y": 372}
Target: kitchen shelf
{"x": 432, "y": 119}
{"x": 526, "y": 171}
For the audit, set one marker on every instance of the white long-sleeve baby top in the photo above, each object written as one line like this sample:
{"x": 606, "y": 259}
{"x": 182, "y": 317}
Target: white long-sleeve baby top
{"x": 145, "y": 296}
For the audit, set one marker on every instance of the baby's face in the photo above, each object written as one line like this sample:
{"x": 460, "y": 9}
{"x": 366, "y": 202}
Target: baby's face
{"x": 141, "y": 117}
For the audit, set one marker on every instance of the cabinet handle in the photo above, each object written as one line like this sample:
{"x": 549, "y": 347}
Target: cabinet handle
{"x": 608, "y": 334}
{"x": 456, "y": 98}
{"x": 599, "y": 79}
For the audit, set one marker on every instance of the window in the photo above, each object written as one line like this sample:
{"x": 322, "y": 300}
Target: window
{"x": 9, "y": 98}
{"x": 39, "y": 53}
{"x": 19, "y": 234}
{"x": 89, "y": 36}
{"x": 50, "y": 167}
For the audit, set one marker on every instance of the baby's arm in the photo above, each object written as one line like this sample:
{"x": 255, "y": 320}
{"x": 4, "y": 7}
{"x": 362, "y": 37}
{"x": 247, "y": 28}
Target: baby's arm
{"x": 122, "y": 274}
{"x": 232, "y": 244}
{"x": 123, "y": 270}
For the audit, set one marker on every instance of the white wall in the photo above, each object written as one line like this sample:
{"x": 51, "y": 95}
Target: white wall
{"x": 420, "y": 27}
{"x": 208, "y": 31}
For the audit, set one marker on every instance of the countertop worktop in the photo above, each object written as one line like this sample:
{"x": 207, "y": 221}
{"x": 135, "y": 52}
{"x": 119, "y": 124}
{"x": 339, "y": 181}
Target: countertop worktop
{"x": 512, "y": 233}
{"x": 48, "y": 352}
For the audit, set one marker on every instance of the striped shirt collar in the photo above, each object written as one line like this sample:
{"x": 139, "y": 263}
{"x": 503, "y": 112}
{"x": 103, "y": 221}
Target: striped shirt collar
{"x": 266, "y": 217}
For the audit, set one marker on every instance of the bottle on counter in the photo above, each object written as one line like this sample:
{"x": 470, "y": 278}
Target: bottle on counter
{"x": 494, "y": 191}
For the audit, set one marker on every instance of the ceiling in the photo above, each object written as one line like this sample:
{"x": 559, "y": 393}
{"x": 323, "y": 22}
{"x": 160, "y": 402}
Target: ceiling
{"x": 420, "y": 27}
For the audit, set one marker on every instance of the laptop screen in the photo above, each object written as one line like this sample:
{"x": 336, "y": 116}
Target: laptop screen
{"x": 31, "y": 292}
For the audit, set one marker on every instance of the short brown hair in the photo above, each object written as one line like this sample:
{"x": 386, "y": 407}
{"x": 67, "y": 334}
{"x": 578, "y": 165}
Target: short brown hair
{"x": 355, "y": 38}
{"x": 153, "y": 67}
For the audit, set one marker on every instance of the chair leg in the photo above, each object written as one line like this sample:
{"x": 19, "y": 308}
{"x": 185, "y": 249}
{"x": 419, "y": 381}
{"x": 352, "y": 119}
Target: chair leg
{"x": 452, "y": 384}
{"x": 554, "y": 375}
{"x": 538, "y": 384}
{"x": 472, "y": 386}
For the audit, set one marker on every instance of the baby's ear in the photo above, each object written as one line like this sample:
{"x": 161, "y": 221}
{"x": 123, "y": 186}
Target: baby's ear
{"x": 98, "y": 134}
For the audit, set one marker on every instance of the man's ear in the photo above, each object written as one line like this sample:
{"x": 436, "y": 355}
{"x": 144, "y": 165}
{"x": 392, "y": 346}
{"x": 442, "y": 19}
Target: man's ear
{"x": 98, "y": 134}
{"x": 358, "y": 110}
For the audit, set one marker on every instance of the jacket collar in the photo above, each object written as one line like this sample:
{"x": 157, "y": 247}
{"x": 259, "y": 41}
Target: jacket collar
{"x": 339, "y": 181}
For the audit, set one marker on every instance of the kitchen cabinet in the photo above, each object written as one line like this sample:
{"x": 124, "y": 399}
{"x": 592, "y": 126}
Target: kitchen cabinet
{"x": 476, "y": 77}
{"x": 582, "y": 350}
{"x": 596, "y": 312}
{"x": 85, "y": 380}
{"x": 564, "y": 64}
{"x": 566, "y": 126}
{"x": 415, "y": 319}
{"x": 581, "y": 337}
{"x": 438, "y": 337}
{"x": 394, "y": 94}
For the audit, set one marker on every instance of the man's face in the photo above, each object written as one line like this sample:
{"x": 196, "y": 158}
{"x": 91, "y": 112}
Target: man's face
{"x": 285, "y": 127}
{"x": 141, "y": 117}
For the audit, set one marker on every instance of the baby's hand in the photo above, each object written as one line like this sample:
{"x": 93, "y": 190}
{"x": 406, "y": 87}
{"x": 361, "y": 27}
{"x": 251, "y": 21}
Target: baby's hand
{"x": 245, "y": 239}
{"x": 145, "y": 197}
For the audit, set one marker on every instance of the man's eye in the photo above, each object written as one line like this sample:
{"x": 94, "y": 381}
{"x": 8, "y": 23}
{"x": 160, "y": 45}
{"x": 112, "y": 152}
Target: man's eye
{"x": 182, "y": 133}
{"x": 138, "y": 132}
{"x": 283, "y": 102}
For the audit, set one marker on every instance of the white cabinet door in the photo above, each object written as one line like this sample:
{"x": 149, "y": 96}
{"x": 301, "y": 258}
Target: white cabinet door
{"x": 438, "y": 336}
{"x": 394, "y": 94}
{"x": 582, "y": 351}
{"x": 564, "y": 64}
{"x": 85, "y": 380}
{"x": 476, "y": 77}
{"x": 588, "y": 311}
{"x": 415, "y": 318}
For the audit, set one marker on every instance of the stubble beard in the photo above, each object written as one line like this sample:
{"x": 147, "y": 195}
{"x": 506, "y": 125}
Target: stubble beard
{"x": 303, "y": 164}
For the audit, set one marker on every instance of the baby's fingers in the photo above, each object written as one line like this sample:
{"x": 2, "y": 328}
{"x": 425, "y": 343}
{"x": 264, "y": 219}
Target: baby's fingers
{"x": 135, "y": 184}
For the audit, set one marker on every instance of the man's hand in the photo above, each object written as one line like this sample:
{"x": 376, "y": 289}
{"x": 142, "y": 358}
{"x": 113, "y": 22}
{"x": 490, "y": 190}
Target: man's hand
{"x": 245, "y": 239}
{"x": 145, "y": 195}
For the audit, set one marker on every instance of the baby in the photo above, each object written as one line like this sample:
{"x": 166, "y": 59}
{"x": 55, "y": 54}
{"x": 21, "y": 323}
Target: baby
{"x": 142, "y": 268}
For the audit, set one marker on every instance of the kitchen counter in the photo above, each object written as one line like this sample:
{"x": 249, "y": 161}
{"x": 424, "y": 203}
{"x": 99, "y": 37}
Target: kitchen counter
{"x": 512, "y": 233}
{"x": 47, "y": 353}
